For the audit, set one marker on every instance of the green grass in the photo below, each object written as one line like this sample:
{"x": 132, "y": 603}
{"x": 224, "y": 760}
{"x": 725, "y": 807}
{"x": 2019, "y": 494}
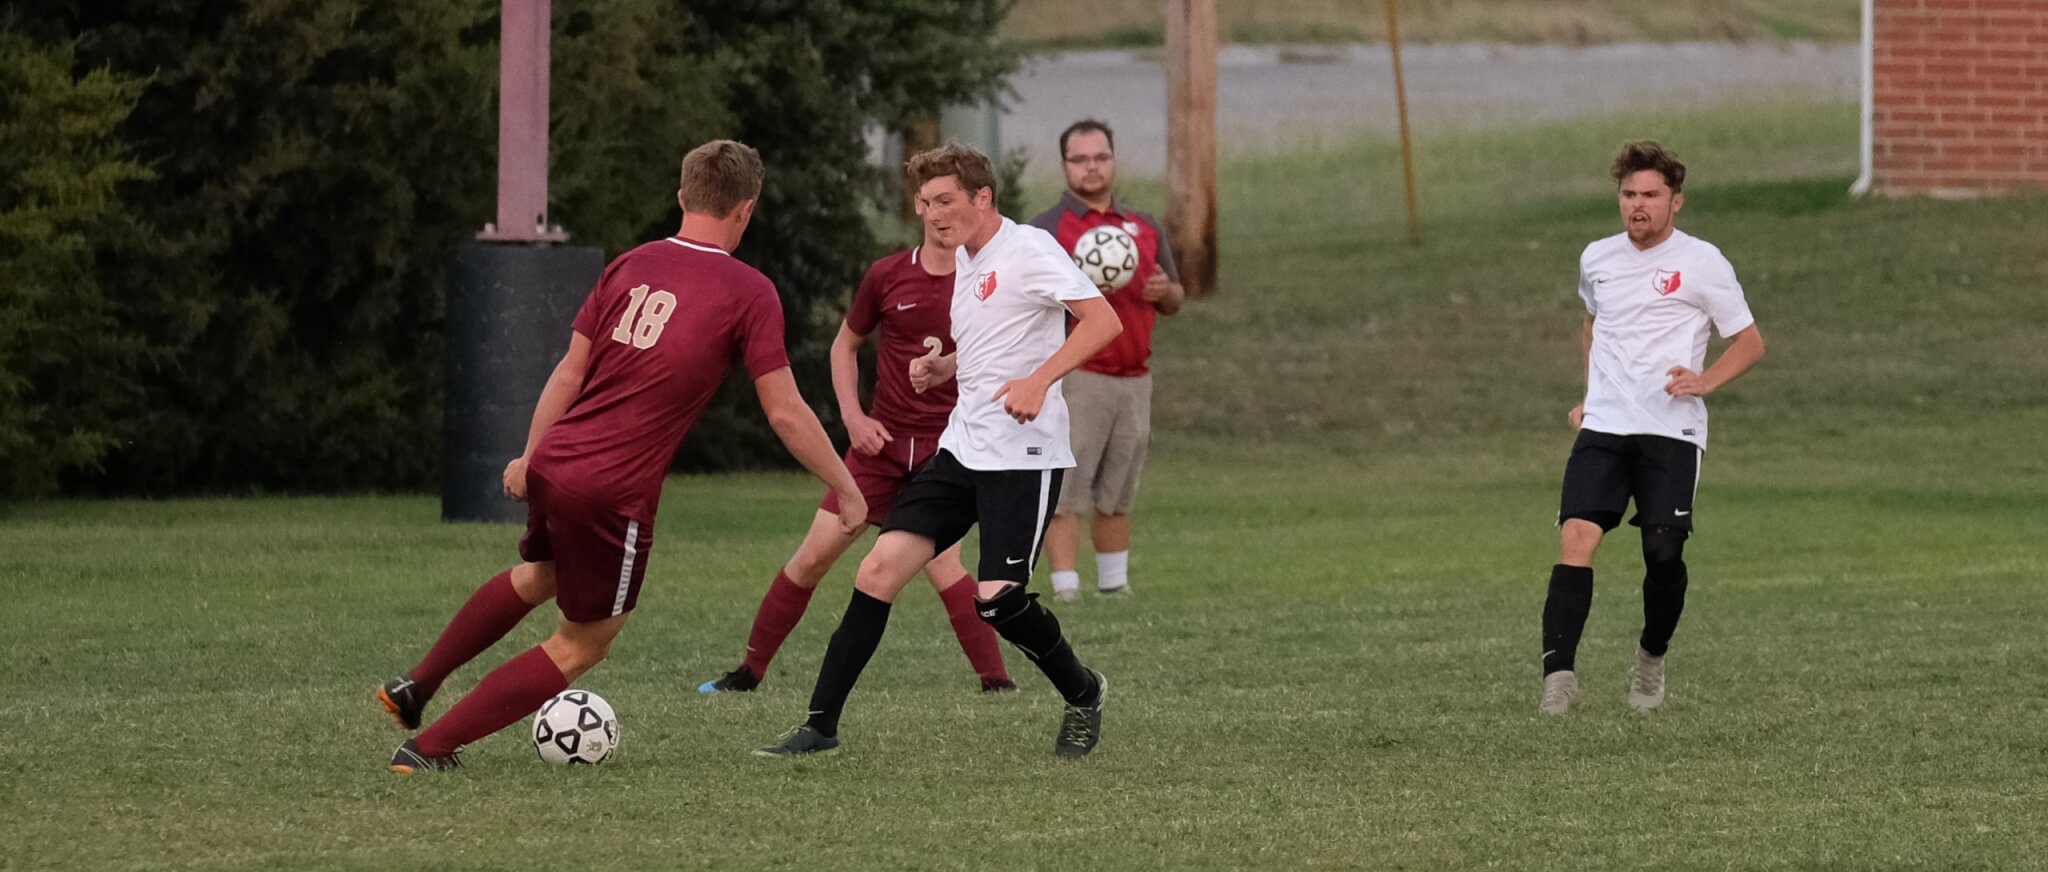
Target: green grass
{"x": 1055, "y": 24}
{"x": 1341, "y": 555}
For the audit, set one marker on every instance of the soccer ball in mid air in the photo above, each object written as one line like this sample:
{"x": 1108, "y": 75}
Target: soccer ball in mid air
{"x": 1107, "y": 255}
{"x": 577, "y": 726}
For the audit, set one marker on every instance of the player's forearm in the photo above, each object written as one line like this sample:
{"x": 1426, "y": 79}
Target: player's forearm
{"x": 800, "y": 432}
{"x": 1091, "y": 334}
{"x": 846, "y": 375}
{"x": 554, "y": 400}
{"x": 1738, "y": 358}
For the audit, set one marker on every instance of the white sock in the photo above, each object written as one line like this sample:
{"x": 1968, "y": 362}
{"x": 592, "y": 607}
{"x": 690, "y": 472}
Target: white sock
{"x": 1113, "y": 570}
{"x": 1066, "y": 579}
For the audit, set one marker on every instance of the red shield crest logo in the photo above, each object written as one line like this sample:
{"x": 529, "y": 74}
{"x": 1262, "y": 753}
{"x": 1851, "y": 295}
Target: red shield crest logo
{"x": 985, "y": 286}
{"x": 1666, "y": 281}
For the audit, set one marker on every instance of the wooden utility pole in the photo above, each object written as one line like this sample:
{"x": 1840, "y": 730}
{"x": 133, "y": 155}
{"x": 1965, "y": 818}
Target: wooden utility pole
{"x": 1191, "y": 141}
{"x": 921, "y": 136}
{"x": 1401, "y": 100}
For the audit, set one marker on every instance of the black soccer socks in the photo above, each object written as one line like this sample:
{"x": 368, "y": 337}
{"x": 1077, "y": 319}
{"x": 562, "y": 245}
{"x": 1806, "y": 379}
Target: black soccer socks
{"x": 1564, "y": 615}
{"x": 1664, "y": 581}
{"x": 859, "y": 634}
{"x": 1019, "y": 618}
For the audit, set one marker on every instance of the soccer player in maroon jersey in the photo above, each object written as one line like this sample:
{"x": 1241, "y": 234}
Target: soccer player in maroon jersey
{"x": 651, "y": 345}
{"x": 906, "y": 297}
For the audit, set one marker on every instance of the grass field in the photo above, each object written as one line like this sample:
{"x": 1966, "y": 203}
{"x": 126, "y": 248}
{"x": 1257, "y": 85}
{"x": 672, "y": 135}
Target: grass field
{"x": 1135, "y": 23}
{"x": 1341, "y": 555}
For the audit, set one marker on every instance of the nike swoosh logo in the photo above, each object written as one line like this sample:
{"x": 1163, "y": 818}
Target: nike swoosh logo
{"x": 1682, "y": 513}
{"x": 1013, "y": 561}
{"x": 901, "y": 306}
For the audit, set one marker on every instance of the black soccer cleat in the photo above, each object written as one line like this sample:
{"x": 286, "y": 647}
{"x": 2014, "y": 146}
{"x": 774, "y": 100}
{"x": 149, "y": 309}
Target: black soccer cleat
{"x": 1081, "y": 726}
{"x": 736, "y": 681}
{"x": 404, "y": 700}
{"x": 803, "y": 741}
{"x": 997, "y": 685}
{"x": 408, "y": 760}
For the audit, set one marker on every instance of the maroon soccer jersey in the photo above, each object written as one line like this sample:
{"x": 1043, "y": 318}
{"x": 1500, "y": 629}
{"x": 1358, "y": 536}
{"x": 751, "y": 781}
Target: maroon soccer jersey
{"x": 665, "y": 323}
{"x": 908, "y": 304}
{"x": 1125, "y": 355}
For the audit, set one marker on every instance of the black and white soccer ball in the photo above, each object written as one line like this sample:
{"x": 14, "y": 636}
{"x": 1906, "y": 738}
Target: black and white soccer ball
{"x": 1107, "y": 255}
{"x": 577, "y": 726}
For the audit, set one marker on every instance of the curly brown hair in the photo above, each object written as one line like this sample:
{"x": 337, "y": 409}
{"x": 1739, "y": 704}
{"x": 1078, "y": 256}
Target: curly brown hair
{"x": 1648, "y": 154}
{"x": 968, "y": 165}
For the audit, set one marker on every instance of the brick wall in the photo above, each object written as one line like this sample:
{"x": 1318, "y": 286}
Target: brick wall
{"x": 1959, "y": 96}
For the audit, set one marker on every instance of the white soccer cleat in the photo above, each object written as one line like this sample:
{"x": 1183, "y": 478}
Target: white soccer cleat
{"x": 1067, "y": 594}
{"x": 1560, "y": 689}
{"x": 1646, "y": 682}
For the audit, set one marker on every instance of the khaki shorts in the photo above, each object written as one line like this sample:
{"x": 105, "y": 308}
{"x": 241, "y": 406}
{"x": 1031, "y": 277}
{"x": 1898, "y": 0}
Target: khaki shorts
{"x": 1110, "y": 429}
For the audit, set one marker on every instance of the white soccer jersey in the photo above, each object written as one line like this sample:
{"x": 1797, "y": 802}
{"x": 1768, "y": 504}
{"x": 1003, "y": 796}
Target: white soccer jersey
{"x": 1650, "y": 313}
{"x": 1009, "y": 316}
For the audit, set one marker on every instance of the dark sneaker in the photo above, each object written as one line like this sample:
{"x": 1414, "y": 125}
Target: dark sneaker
{"x": 803, "y": 741}
{"x": 736, "y": 681}
{"x": 408, "y": 759}
{"x": 1081, "y": 727}
{"x": 404, "y": 700}
{"x": 997, "y": 685}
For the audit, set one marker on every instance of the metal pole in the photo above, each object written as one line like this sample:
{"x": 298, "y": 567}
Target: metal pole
{"x": 523, "y": 126}
{"x": 1401, "y": 100}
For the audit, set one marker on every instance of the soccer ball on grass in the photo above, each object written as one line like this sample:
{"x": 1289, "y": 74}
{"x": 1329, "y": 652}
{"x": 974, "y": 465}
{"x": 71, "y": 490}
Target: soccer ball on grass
{"x": 577, "y": 726}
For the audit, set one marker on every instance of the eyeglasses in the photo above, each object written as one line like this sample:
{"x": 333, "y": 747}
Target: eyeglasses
{"x": 1085, "y": 159}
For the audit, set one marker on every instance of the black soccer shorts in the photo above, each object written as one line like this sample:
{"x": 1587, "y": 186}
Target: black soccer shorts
{"x": 1662, "y": 475}
{"x": 945, "y": 499}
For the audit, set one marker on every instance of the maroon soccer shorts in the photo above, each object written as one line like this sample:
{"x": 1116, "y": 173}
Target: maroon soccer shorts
{"x": 880, "y": 476}
{"x": 600, "y": 556}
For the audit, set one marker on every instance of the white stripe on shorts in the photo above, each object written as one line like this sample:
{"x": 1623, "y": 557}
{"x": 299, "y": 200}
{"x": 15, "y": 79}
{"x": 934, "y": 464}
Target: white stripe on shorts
{"x": 626, "y": 568}
{"x": 1038, "y": 525}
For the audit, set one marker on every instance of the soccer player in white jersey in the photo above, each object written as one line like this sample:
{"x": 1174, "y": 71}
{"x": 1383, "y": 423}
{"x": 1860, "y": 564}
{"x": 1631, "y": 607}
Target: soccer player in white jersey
{"x": 1001, "y": 456}
{"x": 1650, "y": 293}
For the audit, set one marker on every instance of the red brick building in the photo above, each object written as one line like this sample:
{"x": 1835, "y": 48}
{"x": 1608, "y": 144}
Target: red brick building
{"x": 1956, "y": 96}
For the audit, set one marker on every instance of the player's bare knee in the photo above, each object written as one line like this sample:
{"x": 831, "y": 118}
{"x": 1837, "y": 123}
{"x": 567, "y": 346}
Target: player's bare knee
{"x": 1578, "y": 540}
{"x": 576, "y": 654}
{"x": 944, "y": 571}
{"x": 879, "y": 579}
{"x": 534, "y": 582}
{"x": 806, "y": 569}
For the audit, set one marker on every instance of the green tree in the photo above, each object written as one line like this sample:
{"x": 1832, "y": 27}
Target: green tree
{"x": 67, "y": 366}
{"x": 806, "y": 80}
{"x": 315, "y": 163}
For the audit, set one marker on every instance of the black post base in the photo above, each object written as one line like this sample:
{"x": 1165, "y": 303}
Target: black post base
{"x": 509, "y": 308}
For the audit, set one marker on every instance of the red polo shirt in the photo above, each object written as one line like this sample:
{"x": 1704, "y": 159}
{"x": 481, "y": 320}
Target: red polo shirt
{"x": 1124, "y": 356}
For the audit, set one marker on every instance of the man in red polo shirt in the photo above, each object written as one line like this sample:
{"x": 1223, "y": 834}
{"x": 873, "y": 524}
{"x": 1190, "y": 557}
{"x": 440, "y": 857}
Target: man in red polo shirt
{"x": 1110, "y": 396}
{"x": 650, "y": 347}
